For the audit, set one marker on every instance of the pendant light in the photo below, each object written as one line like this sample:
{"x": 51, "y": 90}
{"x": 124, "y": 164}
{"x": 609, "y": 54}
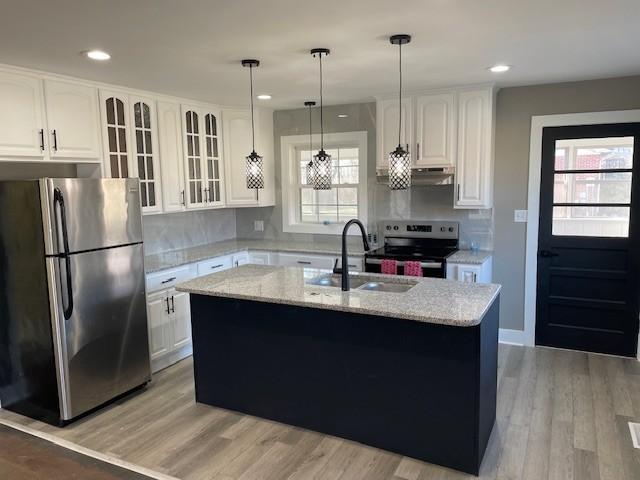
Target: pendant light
{"x": 400, "y": 159}
{"x": 255, "y": 175}
{"x": 322, "y": 171}
{"x": 310, "y": 164}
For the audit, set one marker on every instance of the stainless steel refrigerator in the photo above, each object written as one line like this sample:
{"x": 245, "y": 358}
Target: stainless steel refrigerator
{"x": 73, "y": 321}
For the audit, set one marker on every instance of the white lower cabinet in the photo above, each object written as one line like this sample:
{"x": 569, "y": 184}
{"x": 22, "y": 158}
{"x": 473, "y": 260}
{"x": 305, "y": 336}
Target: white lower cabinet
{"x": 261, "y": 258}
{"x": 471, "y": 273}
{"x": 241, "y": 258}
{"x": 169, "y": 319}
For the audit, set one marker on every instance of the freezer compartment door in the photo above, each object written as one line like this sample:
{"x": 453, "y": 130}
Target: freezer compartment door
{"x": 100, "y": 323}
{"x": 96, "y": 213}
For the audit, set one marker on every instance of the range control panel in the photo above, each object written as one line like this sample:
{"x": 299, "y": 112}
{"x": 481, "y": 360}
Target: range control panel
{"x": 419, "y": 229}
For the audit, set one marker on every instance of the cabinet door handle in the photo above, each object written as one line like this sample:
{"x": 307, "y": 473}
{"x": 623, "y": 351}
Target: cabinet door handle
{"x": 168, "y": 280}
{"x": 458, "y": 192}
{"x": 167, "y": 301}
{"x": 206, "y": 195}
{"x": 182, "y": 199}
{"x": 217, "y": 266}
{"x": 304, "y": 262}
{"x": 42, "y": 139}
{"x": 475, "y": 277}
{"x": 173, "y": 305}
{"x": 418, "y": 150}
{"x": 55, "y": 140}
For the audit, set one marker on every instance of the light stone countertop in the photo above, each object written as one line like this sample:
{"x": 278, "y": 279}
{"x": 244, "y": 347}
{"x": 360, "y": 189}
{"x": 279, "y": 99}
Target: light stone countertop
{"x": 430, "y": 300}
{"x": 176, "y": 258}
{"x": 470, "y": 257}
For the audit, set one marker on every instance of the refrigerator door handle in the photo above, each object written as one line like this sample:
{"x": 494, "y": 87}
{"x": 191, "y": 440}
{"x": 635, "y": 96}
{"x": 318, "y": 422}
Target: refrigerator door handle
{"x": 59, "y": 199}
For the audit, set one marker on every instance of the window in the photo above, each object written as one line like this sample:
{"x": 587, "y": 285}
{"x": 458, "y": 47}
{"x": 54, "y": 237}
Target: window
{"x": 306, "y": 210}
{"x": 592, "y": 187}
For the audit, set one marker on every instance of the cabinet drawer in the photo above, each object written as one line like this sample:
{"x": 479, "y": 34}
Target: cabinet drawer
{"x": 168, "y": 278}
{"x": 309, "y": 261}
{"x": 214, "y": 265}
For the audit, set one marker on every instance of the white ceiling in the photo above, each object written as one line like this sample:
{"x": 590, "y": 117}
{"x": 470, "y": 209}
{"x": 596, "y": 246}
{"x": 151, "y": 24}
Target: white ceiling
{"x": 193, "y": 48}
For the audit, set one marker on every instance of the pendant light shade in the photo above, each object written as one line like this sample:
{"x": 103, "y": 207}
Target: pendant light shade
{"x": 322, "y": 170}
{"x": 255, "y": 174}
{"x": 400, "y": 159}
{"x": 310, "y": 164}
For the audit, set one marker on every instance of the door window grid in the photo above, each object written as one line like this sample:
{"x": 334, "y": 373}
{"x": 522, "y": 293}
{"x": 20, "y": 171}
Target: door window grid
{"x": 144, "y": 150}
{"x": 213, "y": 190}
{"x": 117, "y": 134}
{"x": 193, "y": 157}
{"x": 592, "y": 187}
{"x": 339, "y": 204}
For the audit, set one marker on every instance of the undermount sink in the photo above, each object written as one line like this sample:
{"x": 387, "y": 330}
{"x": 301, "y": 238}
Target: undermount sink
{"x": 336, "y": 281}
{"x": 359, "y": 283}
{"x": 387, "y": 287}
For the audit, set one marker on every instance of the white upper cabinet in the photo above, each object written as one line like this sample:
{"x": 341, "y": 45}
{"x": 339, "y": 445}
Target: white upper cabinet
{"x": 129, "y": 131}
{"x": 73, "y": 120}
{"x": 474, "y": 168}
{"x": 451, "y": 128}
{"x": 237, "y": 144}
{"x": 202, "y": 154}
{"x": 171, "y": 159}
{"x": 387, "y": 113}
{"x": 144, "y": 144}
{"x": 22, "y": 123}
{"x": 435, "y": 130}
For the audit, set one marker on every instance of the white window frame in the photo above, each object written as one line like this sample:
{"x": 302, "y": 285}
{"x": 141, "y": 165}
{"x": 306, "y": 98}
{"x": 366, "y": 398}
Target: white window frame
{"x": 289, "y": 146}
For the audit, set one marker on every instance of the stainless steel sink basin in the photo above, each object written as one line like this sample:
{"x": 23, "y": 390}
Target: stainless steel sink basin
{"x": 387, "y": 287}
{"x": 336, "y": 281}
{"x": 359, "y": 283}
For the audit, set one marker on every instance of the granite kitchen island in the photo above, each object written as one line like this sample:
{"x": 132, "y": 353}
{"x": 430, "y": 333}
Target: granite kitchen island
{"x": 406, "y": 365}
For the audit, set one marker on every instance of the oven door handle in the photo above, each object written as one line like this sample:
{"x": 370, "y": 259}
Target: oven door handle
{"x": 377, "y": 261}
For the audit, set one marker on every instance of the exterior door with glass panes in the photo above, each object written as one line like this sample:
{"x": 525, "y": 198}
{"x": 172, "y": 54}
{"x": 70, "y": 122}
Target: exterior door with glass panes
{"x": 589, "y": 239}
{"x": 129, "y": 126}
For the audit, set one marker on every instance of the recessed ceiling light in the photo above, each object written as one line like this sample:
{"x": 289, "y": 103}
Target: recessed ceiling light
{"x": 264, "y": 96}
{"x": 343, "y": 115}
{"x": 499, "y": 68}
{"x": 97, "y": 55}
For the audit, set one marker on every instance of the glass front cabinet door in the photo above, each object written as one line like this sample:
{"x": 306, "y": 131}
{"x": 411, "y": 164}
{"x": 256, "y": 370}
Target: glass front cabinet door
{"x": 131, "y": 144}
{"x": 203, "y": 164}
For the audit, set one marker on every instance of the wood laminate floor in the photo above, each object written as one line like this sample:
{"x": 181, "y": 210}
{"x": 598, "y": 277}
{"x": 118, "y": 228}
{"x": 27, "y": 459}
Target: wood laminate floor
{"x": 561, "y": 415}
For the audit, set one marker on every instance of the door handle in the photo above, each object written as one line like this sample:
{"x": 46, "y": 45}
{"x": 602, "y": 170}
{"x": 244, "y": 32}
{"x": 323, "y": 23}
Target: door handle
{"x": 168, "y": 280}
{"x": 59, "y": 199}
{"x": 167, "y": 302}
{"x": 173, "y": 305}
{"x": 42, "y": 139}
{"x": 182, "y": 197}
{"x": 547, "y": 254}
{"x": 55, "y": 140}
{"x": 418, "y": 150}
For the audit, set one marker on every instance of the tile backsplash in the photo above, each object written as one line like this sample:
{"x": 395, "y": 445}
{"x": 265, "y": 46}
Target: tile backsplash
{"x": 172, "y": 231}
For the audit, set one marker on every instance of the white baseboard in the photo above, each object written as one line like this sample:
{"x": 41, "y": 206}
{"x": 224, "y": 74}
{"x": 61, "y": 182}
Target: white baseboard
{"x": 511, "y": 337}
{"x": 165, "y": 361}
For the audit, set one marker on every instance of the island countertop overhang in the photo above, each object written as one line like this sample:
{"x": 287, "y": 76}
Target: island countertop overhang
{"x": 431, "y": 300}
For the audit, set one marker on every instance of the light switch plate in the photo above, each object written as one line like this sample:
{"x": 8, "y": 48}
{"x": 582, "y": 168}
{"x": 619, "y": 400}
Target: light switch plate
{"x": 258, "y": 225}
{"x": 520, "y": 216}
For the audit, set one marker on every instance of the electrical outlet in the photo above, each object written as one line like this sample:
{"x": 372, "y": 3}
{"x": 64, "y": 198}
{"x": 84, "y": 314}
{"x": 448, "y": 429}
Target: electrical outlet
{"x": 258, "y": 225}
{"x": 520, "y": 216}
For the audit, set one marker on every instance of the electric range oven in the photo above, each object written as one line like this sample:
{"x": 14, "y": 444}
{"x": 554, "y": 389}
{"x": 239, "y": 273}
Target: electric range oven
{"x": 428, "y": 242}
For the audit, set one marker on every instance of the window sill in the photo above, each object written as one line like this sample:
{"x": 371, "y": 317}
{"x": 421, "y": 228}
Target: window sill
{"x": 319, "y": 229}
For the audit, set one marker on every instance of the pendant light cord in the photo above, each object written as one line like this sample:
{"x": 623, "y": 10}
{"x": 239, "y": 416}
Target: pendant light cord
{"x": 400, "y": 96}
{"x": 321, "y": 108}
{"x": 253, "y": 134}
{"x": 310, "y": 138}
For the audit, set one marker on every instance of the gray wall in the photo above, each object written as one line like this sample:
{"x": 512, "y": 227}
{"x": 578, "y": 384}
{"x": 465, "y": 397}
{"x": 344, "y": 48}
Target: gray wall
{"x": 515, "y": 107}
{"x": 171, "y": 231}
{"x": 434, "y": 202}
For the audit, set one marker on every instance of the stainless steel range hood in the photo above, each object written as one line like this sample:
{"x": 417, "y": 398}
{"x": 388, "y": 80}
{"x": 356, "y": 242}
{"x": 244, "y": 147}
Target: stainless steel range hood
{"x": 422, "y": 175}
